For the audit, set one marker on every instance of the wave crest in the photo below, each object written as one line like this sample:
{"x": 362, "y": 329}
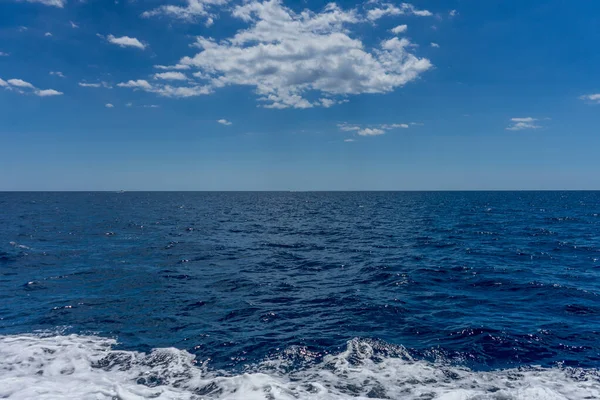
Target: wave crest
{"x": 87, "y": 367}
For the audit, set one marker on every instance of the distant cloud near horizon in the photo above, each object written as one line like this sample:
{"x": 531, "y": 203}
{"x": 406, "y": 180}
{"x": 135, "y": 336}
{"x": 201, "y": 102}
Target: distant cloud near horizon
{"x": 518, "y": 124}
{"x": 372, "y": 130}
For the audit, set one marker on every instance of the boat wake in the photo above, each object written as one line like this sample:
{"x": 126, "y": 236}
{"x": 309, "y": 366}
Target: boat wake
{"x": 38, "y": 366}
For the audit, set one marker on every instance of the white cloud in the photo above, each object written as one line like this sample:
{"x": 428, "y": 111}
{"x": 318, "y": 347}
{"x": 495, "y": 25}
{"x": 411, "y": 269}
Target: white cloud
{"x": 54, "y": 3}
{"x": 518, "y": 124}
{"x": 95, "y": 85}
{"x": 435, "y": 45}
{"x": 176, "y": 67}
{"x": 348, "y": 140}
{"x": 194, "y": 10}
{"x": 48, "y": 34}
{"x": 151, "y": 106}
{"x": 3, "y": 54}
{"x": 289, "y": 57}
{"x": 388, "y": 9}
{"x": 139, "y": 84}
{"x": 172, "y": 76}
{"x": 166, "y": 90}
{"x": 57, "y": 73}
{"x": 453, "y": 13}
{"x": 393, "y": 126}
{"x": 224, "y": 122}
{"x": 108, "y": 105}
{"x": 73, "y": 25}
{"x": 399, "y": 29}
{"x": 125, "y": 41}
{"x": 372, "y": 130}
{"x": 348, "y": 128}
{"x": 129, "y": 105}
{"x": 48, "y": 92}
{"x": 20, "y": 83}
{"x": 595, "y": 98}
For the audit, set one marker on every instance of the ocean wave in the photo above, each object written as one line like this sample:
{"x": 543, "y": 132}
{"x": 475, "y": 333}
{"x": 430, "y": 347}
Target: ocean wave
{"x": 42, "y": 366}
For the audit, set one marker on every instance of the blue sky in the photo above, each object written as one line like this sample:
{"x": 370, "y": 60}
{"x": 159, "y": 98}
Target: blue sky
{"x": 299, "y": 95}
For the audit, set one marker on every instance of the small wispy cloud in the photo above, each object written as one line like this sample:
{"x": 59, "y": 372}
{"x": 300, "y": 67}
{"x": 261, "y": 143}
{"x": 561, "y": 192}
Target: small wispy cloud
{"x": 175, "y": 67}
{"x": 171, "y": 76}
{"x": 372, "y": 130}
{"x": 95, "y": 85}
{"x": 125, "y": 41}
{"x": 57, "y": 73}
{"x": 592, "y": 98}
{"x": 399, "y": 29}
{"x": 54, "y": 3}
{"x": 48, "y": 92}
{"x": 453, "y": 13}
{"x": 349, "y": 140}
{"x": 73, "y": 25}
{"x": 519, "y": 124}
{"x": 435, "y": 45}
{"x": 48, "y": 34}
{"x": 20, "y": 83}
{"x": 3, "y": 54}
{"x": 109, "y": 105}
{"x": 224, "y": 122}
{"x": 23, "y": 87}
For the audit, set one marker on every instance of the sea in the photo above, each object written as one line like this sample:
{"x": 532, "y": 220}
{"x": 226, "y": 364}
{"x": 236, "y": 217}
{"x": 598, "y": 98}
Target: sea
{"x": 300, "y": 295}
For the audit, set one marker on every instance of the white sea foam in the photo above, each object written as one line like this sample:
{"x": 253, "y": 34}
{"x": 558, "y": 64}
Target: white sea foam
{"x": 86, "y": 367}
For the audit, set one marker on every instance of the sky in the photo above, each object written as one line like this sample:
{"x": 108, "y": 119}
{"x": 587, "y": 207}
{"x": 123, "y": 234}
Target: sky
{"x": 299, "y": 95}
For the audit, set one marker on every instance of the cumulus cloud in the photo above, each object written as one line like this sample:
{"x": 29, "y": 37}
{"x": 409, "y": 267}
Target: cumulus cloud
{"x": 399, "y": 29}
{"x": 95, "y": 85}
{"x": 54, "y": 3}
{"x": 224, "y": 122}
{"x": 172, "y": 76}
{"x": 57, "y": 73}
{"x": 108, "y": 105}
{"x": 48, "y": 92}
{"x": 388, "y": 9}
{"x": 518, "y": 124}
{"x": 23, "y": 87}
{"x": 289, "y": 57}
{"x": 594, "y": 98}
{"x": 192, "y": 11}
{"x": 435, "y": 45}
{"x": 373, "y": 130}
{"x": 453, "y": 13}
{"x": 48, "y": 34}
{"x": 125, "y": 41}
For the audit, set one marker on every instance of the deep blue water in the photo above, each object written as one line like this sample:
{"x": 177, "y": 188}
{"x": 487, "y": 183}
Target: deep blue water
{"x": 488, "y": 280}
